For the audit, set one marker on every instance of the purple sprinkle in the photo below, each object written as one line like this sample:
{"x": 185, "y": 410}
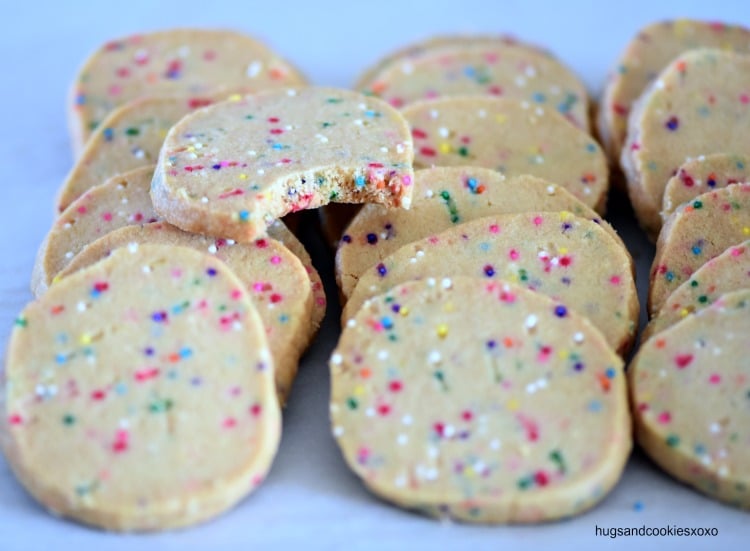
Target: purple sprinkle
{"x": 382, "y": 270}
{"x": 211, "y": 272}
{"x": 159, "y": 317}
{"x": 491, "y": 344}
{"x": 149, "y": 351}
{"x": 396, "y": 308}
{"x": 489, "y": 271}
{"x": 673, "y": 123}
{"x": 372, "y": 238}
{"x": 561, "y": 311}
{"x": 578, "y": 366}
{"x": 347, "y": 238}
{"x": 216, "y": 167}
{"x": 196, "y": 381}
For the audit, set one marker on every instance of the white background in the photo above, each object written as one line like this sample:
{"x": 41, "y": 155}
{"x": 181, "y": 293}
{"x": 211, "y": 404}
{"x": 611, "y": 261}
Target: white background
{"x": 310, "y": 499}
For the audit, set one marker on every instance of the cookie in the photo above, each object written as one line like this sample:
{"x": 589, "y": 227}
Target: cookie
{"x": 652, "y": 49}
{"x": 702, "y": 174}
{"x": 129, "y": 137}
{"x": 689, "y": 388}
{"x": 730, "y": 271}
{"x": 699, "y": 105}
{"x": 483, "y": 68}
{"x": 694, "y": 234}
{"x": 278, "y": 230}
{"x": 231, "y": 168}
{"x": 119, "y": 201}
{"x": 567, "y": 258}
{"x": 511, "y": 137}
{"x": 480, "y": 401}
{"x": 442, "y": 198}
{"x": 140, "y": 392}
{"x": 276, "y": 281}
{"x": 190, "y": 63}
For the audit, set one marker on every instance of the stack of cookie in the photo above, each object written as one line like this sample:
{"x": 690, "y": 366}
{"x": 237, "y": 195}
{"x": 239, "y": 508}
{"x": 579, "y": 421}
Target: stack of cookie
{"x": 684, "y": 153}
{"x": 478, "y": 376}
{"x": 173, "y": 305}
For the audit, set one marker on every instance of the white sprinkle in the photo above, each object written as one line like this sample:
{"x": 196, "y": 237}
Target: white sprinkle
{"x": 338, "y": 431}
{"x": 351, "y": 323}
{"x": 123, "y": 423}
{"x": 69, "y": 254}
{"x": 578, "y": 337}
{"x": 520, "y": 81}
{"x": 237, "y": 326}
{"x": 539, "y": 111}
{"x": 531, "y": 321}
{"x": 81, "y": 306}
{"x": 420, "y": 254}
{"x": 336, "y": 358}
{"x": 407, "y": 68}
{"x": 434, "y": 113}
{"x": 231, "y": 242}
{"x": 370, "y": 412}
{"x": 400, "y": 148}
{"x": 449, "y": 431}
{"x": 333, "y": 408}
{"x": 530, "y": 71}
{"x": 67, "y": 225}
{"x": 204, "y": 199}
{"x": 444, "y": 132}
{"x": 431, "y": 474}
{"x": 402, "y": 439}
{"x": 254, "y": 68}
{"x": 146, "y": 269}
{"x": 252, "y": 153}
{"x": 261, "y": 171}
{"x": 212, "y": 249}
{"x": 358, "y": 122}
{"x": 447, "y": 283}
{"x": 383, "y": 355}
{"x": 432, "y": 451}
{"x": 184, "y": 51}
{"x": 384, "y": 149}
{"x": 407, "y": 420}
{"x": 429, "y": 193}
{"x": 714, "y": 428}
{"x": 495, "y": 444}
{"x": 659, "y": 84}
{"x": 482, "y": 114}
{"x": 138, "y": 153}
{"x": 124, "y": 202}
{"x": 550, "y": 190}
{"x": 434, "y": 357}
{"x": 723, "y": 471}
{"x": 291, "y": 92}
{"x": 525, "y": 105}
{"x": 133, "y": 247}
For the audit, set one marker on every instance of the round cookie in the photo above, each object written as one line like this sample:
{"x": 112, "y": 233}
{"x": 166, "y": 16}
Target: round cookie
{"x": 279, "y": 231}
{"x": 699, "y": 105}
{"x": 480, "y": 401}
{"x": 511, "y": 137}
{"x": 730, "y": 271}
{"x": 443, "y": 197}
{"x": 689, "y": 389}
{"x": 129, "y": 137}
{"x": 694, "y": 234}
{"x": 140, "y": 392}
{"x": 702, "y": 174}
{"x": 275, "y": 279}
{"x": 120, "y": 201}
{"x": 483, "y": 68}
{"x": 652, "y": 49}
{"x": 567, "y": 258}
{"x": 190, "y": 63}
{"x": 231, "y": 168}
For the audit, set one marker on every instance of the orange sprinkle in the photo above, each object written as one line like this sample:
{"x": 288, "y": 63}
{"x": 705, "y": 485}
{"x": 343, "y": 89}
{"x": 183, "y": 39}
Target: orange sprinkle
{"x": 660, "y": 343}
{"x": 604, "y": 382}
{"x": 508, "y": 342}
{"x": 365, "y": 372}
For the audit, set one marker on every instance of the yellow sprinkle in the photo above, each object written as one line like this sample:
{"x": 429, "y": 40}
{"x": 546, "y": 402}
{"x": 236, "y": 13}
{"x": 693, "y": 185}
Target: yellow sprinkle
{"x": 163, "y": 133}
{"x": 684, "y": 312}
{"x": 243, "y": 176}
{"x": 448, "y": 307}
{"x": 56, "y": 279}
{"x": 404, "y": 311}
{"x": 235, "y": 97}
{"x": 191, "y": 148}
{"x": 85, "y": 338}
{"x": 445, "y": 147}
{"x": 359, "y": 390}
{"x": 513, "y": 404}
{"x": 469, "y": 472}
{"x": 563, "y": 250}
{"x": 746, "y": 230}
{"x": 500, "y": 118}
{"x": 563, "y": 354}
{"x": 442, "y": 330}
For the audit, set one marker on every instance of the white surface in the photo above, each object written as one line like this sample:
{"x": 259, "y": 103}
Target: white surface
{"x": 310, "y": 499}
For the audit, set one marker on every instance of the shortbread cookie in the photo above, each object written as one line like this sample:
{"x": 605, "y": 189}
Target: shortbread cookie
{"x": 730, "y": 271}
{"x": 119, "y": 201}
{"x": 231, "y": 168}
{"x": 702, "y": 174}
{"x": 689, "y": 388}
{"x": 275, "y": 279}
{"x": 191, "y": 63}
{"x": 140, "y": 392}
{"x": 511, "y": 137}
{"x": 652, "y": 49}
{"x": 694, "y": 234}
{"x": 442, "y": 198}
{"x": 129, "y": 137}
{"x": 483, "y": 68}
{"x": 567, "y": 258}
{"x": 481, "y": 401}
{"x": 278, "y": 230}
{"x": 699, "y": 105}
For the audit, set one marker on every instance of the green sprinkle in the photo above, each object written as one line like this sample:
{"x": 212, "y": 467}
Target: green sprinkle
{"x": 673, "y": 441}
{"x": 703, "y": 299}
{"x": 22, "y": 322}
{"x": 133, "y": 131}
{"x": 525, "y": 483}
{"x": 697, "y": 204}
{"x": 451, "y": 206}
{"x": 160, "y": 406}
{"x": 333, "y": 196}
{"x": 463, "y": 151}
{"x": 68, "y": 419}
{"x": 249, "y": 117}
{"x": 334, "y": 100}
{"x": 694, "y": 283}
{"x": 557, "y": 458}
{"x": 352, "y": 403}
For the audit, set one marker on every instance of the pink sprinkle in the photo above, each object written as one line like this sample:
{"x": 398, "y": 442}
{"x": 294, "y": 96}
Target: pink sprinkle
{"x": 744, "y": 99}
{"x": 255, "y": 410}
{"x": 494, "y": 228}
{"x": 614, "y": 280}
{"x": 258, "y": 287}
{"x": 236, "y": 294}
{"x": 114, "y": 90}
{"x": 513, "y": 254}
{"x": 107, "y": 216}
{"x": 15, "y": 419}
{"x": 538, "y": 220}
{"x": 82, "y": 209}
{"x": 664, "y": 417}
{"x": 229, "y": 422}
{"x": 737, "y": 251}
{"x": 714, "y": 379}
{"x": 146, "y": 374}
{"x": 384, "y": 409}
{"x": 683, "y": 360}
{"x": 275, "y": 259}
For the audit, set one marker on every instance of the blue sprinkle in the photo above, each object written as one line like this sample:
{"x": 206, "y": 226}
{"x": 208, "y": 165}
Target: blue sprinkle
{"x": 283, "y": 318}
{"x": 382, "y": 270}
{"x": 216, "y": 167}
{"x": 347, "y": 239}
{"x": 610, "y": 372}
{"x": 696, "y": 250}
{"x": 360, "y": 181}
{"x": 578, "y": 366}
{"x": 491, "y": 344}
{"x": 80, "y": 99}
{"x": 539, "y": 97}
{"x": 372, "y": 114}
{"x": 595, "y": 406}
{"x": 489, "y": 271}
{"x": 469, "y": 71}
{"x": 386, "y": 323}
{"x": 396, "y": 308}
{"x": 61, "y": 358}
{"x": 185, "y": 352}
{"x": 211, "y": 272}
{"x": 121, "y": 388}
{"x": 669, "y": 276}
{"x": 244, "y": 215}
{"x": 591, "y": 148}
{"x": 109, "y": 134}
{"x": 372, "y": 238}
{"x": 149, "y": 351}
{"x": 638, "y": 506}
{"x": 484, "y": 246}
{"x": 561, "y": 311}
